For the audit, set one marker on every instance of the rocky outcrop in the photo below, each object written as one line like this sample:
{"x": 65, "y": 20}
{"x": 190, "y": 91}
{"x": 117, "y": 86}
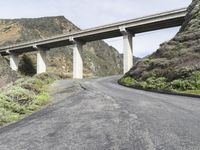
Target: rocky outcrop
{"x": 6, "y": 74}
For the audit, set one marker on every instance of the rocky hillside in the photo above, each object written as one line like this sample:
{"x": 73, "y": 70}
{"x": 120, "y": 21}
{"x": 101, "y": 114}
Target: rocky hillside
{"x": 97, "y": 56}
{"x": 6, "y": 74}
{"x": 176, "y": 64}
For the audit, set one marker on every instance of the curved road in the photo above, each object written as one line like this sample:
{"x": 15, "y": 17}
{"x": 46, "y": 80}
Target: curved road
{"x": 99, "y": 114}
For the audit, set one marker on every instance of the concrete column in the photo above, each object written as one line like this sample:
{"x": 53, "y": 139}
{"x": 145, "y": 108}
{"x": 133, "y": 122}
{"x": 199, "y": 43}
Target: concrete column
{"x": 41, "y": 61}
{"x": 128, "y": 49}
{"x": 14, "y": 62}
{"x": 77, "y": 61}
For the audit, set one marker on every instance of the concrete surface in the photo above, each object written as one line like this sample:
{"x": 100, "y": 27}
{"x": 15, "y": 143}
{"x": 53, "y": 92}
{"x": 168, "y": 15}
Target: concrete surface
{"x": 127, "y": 50}
{"x": 77, "y": 60}
{"x": 14, "y": 62}
{"x": 99, "y": 114}
{"x": 41, "y": 61}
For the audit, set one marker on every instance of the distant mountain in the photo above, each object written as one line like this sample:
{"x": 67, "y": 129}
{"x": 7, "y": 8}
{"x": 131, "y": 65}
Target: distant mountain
{"x": 99, "y": 58}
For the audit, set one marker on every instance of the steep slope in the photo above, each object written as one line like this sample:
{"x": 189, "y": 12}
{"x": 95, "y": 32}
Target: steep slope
{"x": 97, "y": 56}
{"x": 176, "y": 64}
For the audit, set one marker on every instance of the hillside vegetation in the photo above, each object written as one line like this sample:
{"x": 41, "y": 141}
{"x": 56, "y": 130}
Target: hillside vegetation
{"x": 23, "y": 97}
{"x": 175, "y": 66}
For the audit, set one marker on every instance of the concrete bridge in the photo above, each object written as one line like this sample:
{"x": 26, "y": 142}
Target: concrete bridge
{"x": 127, "y": 29}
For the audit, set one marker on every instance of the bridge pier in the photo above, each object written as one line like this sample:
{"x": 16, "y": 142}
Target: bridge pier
{"x": 41, "y": 60}
{"x": 14, "y": 61}
{"x": 77, "y": 59}
{"x": 127, "y": 49}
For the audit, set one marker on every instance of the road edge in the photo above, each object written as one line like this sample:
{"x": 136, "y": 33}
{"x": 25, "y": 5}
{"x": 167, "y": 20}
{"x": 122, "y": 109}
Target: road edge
{"x": 161, "y": 91}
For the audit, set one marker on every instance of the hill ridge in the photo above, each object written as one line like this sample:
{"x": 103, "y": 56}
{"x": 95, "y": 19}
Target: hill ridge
{"x": 98, "y": 56}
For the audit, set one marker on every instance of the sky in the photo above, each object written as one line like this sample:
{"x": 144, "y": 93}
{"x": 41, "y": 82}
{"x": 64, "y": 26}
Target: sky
{"x": 92, "y": 13}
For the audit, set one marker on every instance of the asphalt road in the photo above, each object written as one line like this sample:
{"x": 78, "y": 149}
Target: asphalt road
{"x": 99, "y": 114}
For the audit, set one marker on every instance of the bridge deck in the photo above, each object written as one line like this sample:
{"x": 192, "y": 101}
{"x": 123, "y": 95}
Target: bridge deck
{"x": 149, "y": 23}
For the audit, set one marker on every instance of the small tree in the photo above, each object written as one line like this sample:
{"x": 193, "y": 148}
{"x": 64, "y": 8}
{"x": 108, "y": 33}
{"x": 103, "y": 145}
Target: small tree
{"x": 26, "y": 66}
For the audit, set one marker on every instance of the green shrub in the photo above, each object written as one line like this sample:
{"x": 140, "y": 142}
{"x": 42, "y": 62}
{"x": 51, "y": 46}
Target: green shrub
{"x": 23, "y": 97}
{"x": 9, "y": 104}
{"x": 33, "y": 84}
{"x": 20, "y": 95}
{"x": 184, "y": 84}
{"x": 195, "y": 78}
{"x": 156, "y": 83}
{"x": 128, "y": 81}
{"x": 7, "y": 116}
{"x": 42, "y": 99}
{"x": 190, "y": 83}
{"x": 46, "y": 78}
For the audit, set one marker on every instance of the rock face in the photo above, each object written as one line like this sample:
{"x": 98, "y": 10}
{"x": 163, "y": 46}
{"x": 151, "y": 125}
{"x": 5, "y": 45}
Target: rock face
{"x": 98, "y": 57}
{"x": 6, "y": 74}
{"x": 177, "y": 58}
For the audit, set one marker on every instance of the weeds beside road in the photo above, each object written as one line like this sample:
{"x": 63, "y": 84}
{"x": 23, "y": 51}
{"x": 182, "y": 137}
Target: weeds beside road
{"x": 23, "y": 97}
